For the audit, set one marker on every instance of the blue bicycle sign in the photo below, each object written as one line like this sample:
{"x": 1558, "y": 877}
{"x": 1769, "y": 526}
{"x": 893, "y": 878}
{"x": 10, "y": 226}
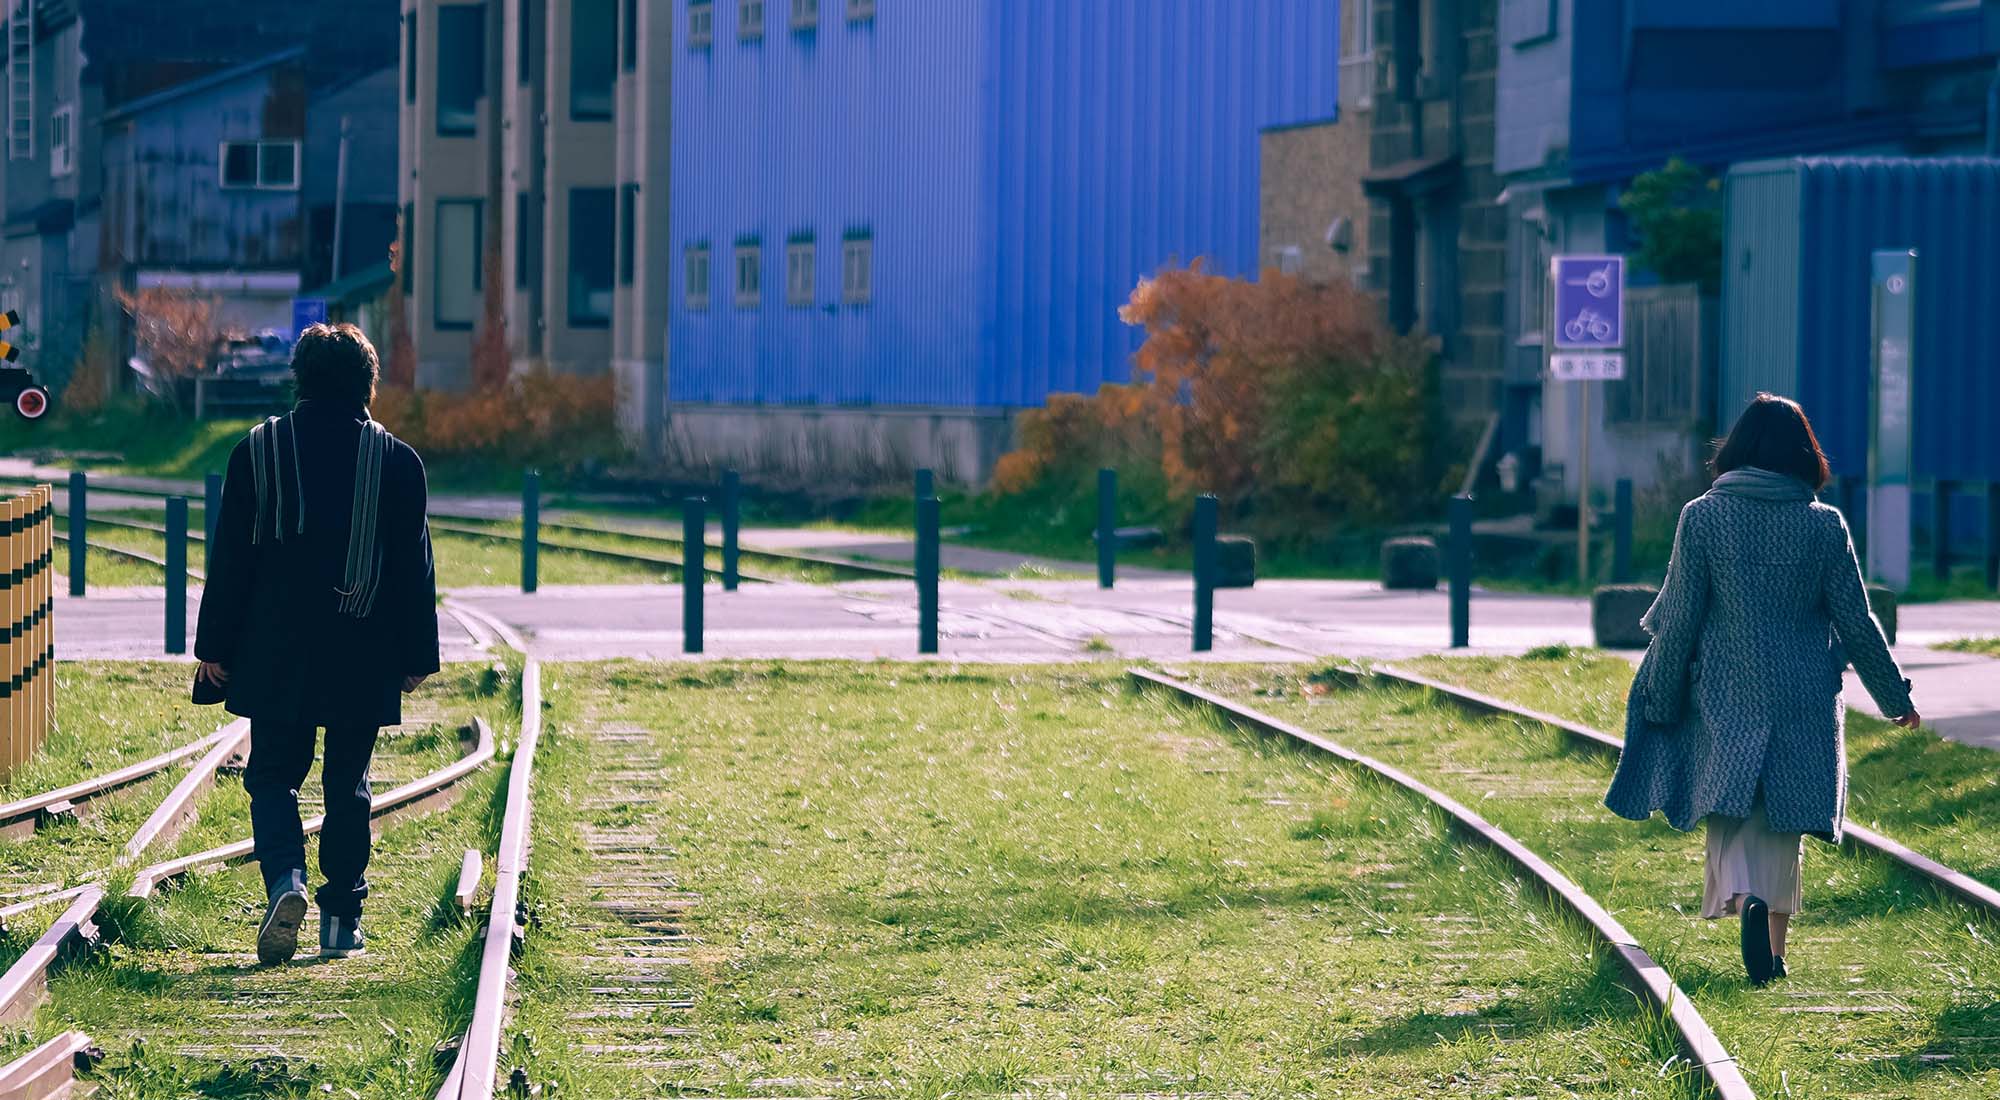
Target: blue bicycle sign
{"x": 1590, "y": 301}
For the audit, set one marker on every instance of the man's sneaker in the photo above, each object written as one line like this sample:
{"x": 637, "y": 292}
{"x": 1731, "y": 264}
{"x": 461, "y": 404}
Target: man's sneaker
{"x": 340, "y": 937}
{"x": 278, "y": 936}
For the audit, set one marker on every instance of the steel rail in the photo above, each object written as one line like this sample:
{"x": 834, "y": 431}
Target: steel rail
{"x": 418, "y": 795}
{"x": 476, "y": 1069}
{"x": 1958, "y": 884}
{"x": 875, "y": 570}
{"x": 20, "y": 818}
{"x": 48, "y": 1072}
{"x": 627, "y": 556}
{"x": 1645, "y": 975}
{"x": 135, "y": 555}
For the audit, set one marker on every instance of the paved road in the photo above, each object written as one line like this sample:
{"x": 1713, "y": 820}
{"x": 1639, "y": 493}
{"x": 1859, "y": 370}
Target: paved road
{"x": 1019, "y": 621}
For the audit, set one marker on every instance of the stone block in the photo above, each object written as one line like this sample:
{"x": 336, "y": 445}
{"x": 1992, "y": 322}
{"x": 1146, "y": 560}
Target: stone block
{"x": 1410, "y": 562}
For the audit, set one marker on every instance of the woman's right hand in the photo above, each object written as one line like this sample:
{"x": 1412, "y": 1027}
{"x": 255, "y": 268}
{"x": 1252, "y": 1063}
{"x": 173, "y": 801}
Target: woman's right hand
{"x": 1910, "y": 721}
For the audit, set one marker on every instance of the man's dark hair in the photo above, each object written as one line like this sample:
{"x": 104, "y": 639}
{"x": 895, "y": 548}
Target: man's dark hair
{"x": 335, "y": 363}
{"x": 1774, "y": 434}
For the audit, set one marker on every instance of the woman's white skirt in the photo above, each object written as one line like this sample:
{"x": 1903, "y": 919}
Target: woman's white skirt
{"x": 1746, "y": 857}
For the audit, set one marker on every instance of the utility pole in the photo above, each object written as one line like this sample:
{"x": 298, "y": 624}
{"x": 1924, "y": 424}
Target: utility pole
{"x": 340, "y": 194}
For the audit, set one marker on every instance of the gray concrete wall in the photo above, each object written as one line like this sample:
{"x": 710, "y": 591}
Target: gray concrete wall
{"x": 837, "y": 447}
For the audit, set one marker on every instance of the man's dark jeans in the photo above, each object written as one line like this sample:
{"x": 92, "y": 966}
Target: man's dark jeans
{"x": 280, "y": 756}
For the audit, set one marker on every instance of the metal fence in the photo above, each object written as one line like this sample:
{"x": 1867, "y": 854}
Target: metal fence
{"x": 1670, "y": 358}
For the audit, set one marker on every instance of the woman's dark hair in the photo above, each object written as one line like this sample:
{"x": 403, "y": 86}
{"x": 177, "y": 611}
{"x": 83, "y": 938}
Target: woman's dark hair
{"x": 335, "y": 363}
{"x": 1774, "y": 434}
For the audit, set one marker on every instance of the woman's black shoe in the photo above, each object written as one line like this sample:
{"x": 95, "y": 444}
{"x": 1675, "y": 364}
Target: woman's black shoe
{"x": 1757, "y": 960}
{"x": 1778, "y": 967}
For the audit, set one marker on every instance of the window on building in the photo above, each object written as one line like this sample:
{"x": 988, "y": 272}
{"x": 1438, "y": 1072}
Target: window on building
{"x": 628, "y": 26}
{"x": 62, "y": 126}
{"x": 858, "y": 10}
{"x": 1357, "y": 60}
{"x": 799, "y": 272}
{"x": 530, "y": 17}
{"x": 404, "y": 257}
{"x": 410, "y": 57}
{"x": 857, "y": 269}
{"x": 749, "y": 274}
{"x": 1536, "y": 256}
{"x": 593, "y": 223}
{"x": 455, "y": 271}
{"x": 701, "y": 24}
{"x": 525, "y": 237}
{"x": 697, "y": 276}
{"x": 461, "y": 68}
{"x": 628, "y": 232}
{"x": 749, "y": 18}
{"x": 265, "y": 165}
{"x": 805, "y": 14}
{"x": 593, "y": 59}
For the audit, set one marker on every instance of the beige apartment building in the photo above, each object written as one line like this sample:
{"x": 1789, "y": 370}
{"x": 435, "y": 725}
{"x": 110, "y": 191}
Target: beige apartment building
{"x": 544, "y": 124}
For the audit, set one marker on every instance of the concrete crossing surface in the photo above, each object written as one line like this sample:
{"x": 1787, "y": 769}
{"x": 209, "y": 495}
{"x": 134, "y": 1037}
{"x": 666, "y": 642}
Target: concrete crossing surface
{"x": 1042, "y": 620}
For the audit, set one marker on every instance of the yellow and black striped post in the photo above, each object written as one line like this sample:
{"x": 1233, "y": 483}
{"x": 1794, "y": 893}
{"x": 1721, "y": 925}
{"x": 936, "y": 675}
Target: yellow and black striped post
{"x": 8, "y": 351}
{"x": 27, "y": 632}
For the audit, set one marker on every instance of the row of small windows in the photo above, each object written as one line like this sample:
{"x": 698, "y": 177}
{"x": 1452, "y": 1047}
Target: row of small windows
{"x": 603, "y": 39}
{"x": 857, "y": 273}
{"x": 750, "y": 18}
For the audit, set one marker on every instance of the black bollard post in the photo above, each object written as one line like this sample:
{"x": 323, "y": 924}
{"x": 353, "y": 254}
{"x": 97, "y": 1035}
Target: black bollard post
{"x": 79, "y": 526}
{"x": 1621, "y": 534}
{"x": 1461, "y": 571}
{"x": 1941, "y": 491}
{"x": 927, "y": 575}
{"x": 1107, "y": 526}
{"x": 177, "y": 574}
{"x": 694, "y": 567}
{"x": 1205, "y": 521}
{"x": 1993, "y": 536}
{"x": 732, "y": 505}
{"x": 531, "y": 530}
{"x": 926, "y": 483}
{"x": 211, "y": 507}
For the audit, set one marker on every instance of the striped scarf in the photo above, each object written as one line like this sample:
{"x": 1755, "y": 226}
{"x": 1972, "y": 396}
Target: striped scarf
{"x": 278, "y": 499}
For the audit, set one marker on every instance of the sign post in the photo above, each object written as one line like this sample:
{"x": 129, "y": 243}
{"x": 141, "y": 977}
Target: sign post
{"x": 1893, "y": 283}
{"x": 307, "y": 312}
{"x": 1587, "y": 330}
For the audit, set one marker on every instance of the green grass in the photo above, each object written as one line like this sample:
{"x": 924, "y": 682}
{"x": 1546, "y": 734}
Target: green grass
{"x": 1895, "y": 991}
{"x": 1989, "y": 647}
{"x": 181, "y": 1008}
{"x": 922, "y": 881}
{"x": 656, "y": 545}
{"x": 1938, "y": 796}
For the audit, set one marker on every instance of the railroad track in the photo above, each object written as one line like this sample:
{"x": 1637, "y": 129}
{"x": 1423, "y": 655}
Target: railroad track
{"x": 134, "y": 555}
{"x": 1645, "y": 975}
{"x": 74, "y": 934}
{"x": 475, "y": 1071}
{"x": 1957, "y": 884}
{"x": 467, "y": 525}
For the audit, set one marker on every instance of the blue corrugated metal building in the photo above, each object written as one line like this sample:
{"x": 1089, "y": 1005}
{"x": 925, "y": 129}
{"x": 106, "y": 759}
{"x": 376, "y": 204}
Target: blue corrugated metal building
{"x": 1796, "y": 298}
{"x": 1007, "y": 169}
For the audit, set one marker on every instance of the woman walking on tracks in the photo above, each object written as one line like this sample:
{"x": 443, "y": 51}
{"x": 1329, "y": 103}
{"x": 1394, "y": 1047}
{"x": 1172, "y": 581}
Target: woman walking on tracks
{"x": 320, "y": 607}
{"x": 1735, "y": 717}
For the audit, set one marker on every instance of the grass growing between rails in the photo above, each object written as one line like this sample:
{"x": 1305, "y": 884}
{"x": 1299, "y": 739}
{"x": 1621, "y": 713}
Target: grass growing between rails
{"x": 924, "y": 881}
{"x": 1989, "y": 647}
{"x": 179, "y": 1003}
{"x": 1940, "y": 797}
{"x": 1895, "y": 990}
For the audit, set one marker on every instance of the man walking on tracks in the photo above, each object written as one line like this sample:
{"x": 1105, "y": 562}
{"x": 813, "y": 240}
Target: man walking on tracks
{"x": 320, "y": 608}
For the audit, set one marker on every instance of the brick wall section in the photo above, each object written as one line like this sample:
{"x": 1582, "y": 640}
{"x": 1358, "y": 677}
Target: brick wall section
{"x": 1309, "y": 175}
{"x": 1456, "y": 118}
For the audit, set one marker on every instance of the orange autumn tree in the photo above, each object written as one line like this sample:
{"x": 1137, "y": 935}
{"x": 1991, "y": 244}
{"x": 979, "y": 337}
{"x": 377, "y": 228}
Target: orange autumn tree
{"x": 1291, "y": 401}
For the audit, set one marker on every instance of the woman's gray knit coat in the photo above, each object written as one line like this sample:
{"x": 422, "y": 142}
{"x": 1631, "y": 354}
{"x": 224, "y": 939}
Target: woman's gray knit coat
{"x": 1762, "y": 608}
